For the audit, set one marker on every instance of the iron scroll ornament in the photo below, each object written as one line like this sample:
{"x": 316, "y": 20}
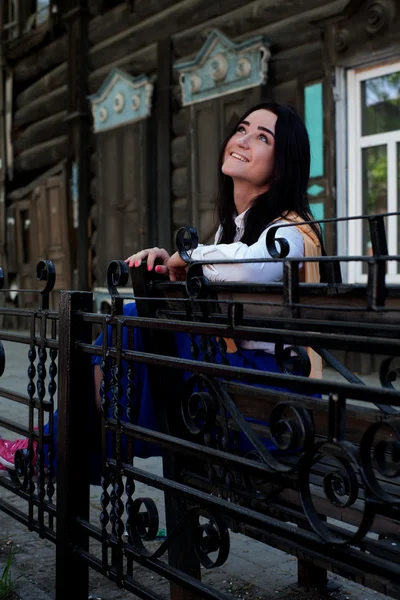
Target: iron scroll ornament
{"x": 208, "y": 537}
{"x": 299, "y": 364}
{"x": 46, "y": 271}
{"x": 387, "y": 373}
{"x": 187, "y": 240}
{"x": 291, "y": 426}
{"x": 117, "y": 275}
{"x": 271, "y": 240}
{"x": 380, "y": 459}
{"x": 2, "y": 359}
{"x": 341, "y": 487}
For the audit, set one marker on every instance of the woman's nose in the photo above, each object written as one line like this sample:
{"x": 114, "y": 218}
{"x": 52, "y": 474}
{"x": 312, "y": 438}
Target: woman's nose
{"x": 244, "y": 140}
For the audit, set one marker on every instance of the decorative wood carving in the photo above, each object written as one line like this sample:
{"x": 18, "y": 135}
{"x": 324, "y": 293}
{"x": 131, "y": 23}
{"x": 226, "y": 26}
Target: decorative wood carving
{"x": 223, "y": 67}
{"x": 380, "y": 14}
{"x": 342, "y": 38}
{"x": 121, "y": 99}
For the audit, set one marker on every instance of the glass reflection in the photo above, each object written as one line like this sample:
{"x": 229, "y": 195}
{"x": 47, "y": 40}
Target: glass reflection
{"x": 398, "y": 203}
{"x": 381, "y": 104}
{"x": 374, "y": 177}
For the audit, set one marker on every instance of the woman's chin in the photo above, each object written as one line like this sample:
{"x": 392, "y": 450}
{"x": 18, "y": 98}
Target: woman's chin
{"x": 234, "y": 171}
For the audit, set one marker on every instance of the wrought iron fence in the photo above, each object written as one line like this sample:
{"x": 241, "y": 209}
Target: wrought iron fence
{"x": 31, "y": 480}
{"x": 309, "y": 466}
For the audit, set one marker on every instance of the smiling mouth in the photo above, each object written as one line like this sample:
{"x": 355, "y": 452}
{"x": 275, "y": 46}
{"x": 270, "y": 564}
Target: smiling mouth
{"x": 239, "y": 157}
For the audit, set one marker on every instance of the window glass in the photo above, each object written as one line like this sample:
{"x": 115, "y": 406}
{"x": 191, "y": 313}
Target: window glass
{"x": 313, "y": 112}
{"x": 25, "y": 236}
{"x": 398, "y": 201}
{"x": 374, "y": 189}
{"x": 374, "y": 160}
{"x": 43, "y": 11}
{"x": 381, "y": 104}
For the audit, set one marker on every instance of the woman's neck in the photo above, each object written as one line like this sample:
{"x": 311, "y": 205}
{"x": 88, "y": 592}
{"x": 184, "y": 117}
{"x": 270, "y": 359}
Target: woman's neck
{"x": 244, "y": 193}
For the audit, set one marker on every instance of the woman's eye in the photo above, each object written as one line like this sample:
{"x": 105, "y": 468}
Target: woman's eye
{"x": 263, "y": 138}
{"x": 240, "y": 130}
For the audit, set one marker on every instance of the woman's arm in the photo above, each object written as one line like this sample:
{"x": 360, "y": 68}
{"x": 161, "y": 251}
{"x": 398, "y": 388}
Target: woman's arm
{"x": 250, "y": 272}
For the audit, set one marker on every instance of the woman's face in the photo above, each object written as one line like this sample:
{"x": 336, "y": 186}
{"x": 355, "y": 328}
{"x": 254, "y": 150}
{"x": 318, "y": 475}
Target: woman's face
{"x": 249, "y": 153}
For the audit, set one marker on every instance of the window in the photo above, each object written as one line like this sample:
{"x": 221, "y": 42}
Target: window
{"x": 22, "y": 16}
{"x": 26, "y": 237}
{"x": 373, "y": 160}
{"x": 10, "y": 19}
{"x": 42, "y": 11}
{"x": 314, "y": 120}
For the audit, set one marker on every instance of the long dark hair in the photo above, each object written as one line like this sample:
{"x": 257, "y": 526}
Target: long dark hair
{"x": 288, "y": 187}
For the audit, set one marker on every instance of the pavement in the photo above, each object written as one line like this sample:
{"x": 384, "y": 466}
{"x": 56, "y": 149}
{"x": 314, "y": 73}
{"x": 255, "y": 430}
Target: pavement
{"x": 253, "y": 570}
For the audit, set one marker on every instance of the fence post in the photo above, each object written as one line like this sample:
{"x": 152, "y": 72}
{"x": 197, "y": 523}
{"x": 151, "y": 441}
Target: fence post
{"x": 181, "y": 556}
{"x": 73, "y": 446}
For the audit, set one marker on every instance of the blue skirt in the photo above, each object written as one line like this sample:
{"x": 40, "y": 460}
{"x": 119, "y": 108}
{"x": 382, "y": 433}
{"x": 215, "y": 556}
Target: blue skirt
{"x": 143, "y": 401}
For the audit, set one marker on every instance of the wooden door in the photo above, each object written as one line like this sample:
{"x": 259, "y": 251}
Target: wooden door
{"x": 205, "y": 150}
{"x": 43, "y": 232}
{"x": 23, "y": 228}
{"x": 210, "y": 123}
{"x": 122, "y": 195}
{"x": 52, "y": 227}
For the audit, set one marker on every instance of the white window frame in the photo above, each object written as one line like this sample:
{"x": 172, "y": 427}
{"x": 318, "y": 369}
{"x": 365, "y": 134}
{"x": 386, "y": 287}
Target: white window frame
{"x": 340, "y": 97}
{"x": 356, "y": 142}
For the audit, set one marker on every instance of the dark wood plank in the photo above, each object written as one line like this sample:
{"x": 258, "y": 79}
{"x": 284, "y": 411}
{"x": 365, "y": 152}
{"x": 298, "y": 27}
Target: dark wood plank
{"x": 43, "y": 155}
{"x": 164, "y": 122}
{"x": 143, "y": 60}
{"x": 34, "y": 65}
{"x": 27, "y": 43}
{"x": 157, "y": 27}
{"x": 110, "y": 23}
{"x": 276, "y": 20}
{"x": 43, "y": 107}
{"x": 179, "y": 121}
{"x": 180, "y": 213}
{"x": 286, "y": 65}
{"x": 42, "y": 131}
{"x": 180, "y": 182}
{"x": 179, "y": 151}
{"x": 93, "y": 162}
{"x": 45, "y": 85}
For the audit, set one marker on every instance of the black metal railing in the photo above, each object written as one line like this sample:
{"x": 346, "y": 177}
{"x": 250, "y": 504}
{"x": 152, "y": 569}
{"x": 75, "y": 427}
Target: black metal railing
{"x": 31, "y": 480}
{"x": 310, "y": 466}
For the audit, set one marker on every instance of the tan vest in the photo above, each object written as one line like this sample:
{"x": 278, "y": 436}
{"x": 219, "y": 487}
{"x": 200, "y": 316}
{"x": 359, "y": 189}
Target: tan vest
{"x": 308, "y": 274}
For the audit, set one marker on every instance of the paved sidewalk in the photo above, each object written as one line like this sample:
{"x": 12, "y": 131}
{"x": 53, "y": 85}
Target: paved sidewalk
{"x": 253, "y": 571}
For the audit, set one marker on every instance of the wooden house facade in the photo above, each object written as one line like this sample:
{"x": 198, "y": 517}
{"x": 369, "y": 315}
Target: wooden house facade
{"x": 113, "y": 113}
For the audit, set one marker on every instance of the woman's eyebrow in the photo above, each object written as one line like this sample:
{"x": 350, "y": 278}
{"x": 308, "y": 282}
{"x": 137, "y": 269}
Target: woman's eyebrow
{"x": 262, "y": 128}
{"x": 267, "y": 130}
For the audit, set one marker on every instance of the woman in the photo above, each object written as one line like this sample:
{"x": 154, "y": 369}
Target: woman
{"x": 264, "y": 172}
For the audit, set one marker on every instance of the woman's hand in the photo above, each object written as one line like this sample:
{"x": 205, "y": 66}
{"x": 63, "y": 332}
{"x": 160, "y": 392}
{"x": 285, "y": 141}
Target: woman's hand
{"x": 173, "y": 265}
{"x": 176, "y": 268}
{"x": 151, "y": 254}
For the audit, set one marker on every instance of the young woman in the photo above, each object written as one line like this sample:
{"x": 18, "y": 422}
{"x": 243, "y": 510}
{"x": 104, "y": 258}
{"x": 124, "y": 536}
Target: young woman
{"x": 264, "y": 172}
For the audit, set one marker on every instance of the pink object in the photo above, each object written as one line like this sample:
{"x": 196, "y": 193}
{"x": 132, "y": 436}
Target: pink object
{"x": 8, "y": 449}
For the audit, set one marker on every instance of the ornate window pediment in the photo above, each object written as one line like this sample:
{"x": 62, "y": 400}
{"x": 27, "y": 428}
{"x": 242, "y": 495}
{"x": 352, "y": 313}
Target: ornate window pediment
{"x": 121, "y": 99}
{"x": 223, "y": 67}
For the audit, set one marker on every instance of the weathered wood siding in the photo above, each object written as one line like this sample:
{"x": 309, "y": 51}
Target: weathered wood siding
{"x": 128, "y": 40}
{"x": 40, "y": 135}
{"x": 302, "y": 51}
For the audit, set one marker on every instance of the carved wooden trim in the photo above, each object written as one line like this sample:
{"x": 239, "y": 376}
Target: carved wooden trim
{"x": 380, "y": 14}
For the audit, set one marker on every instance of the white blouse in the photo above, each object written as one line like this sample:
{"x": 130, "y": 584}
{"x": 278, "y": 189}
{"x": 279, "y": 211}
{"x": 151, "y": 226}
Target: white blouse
{"x": 248, "y": 272}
